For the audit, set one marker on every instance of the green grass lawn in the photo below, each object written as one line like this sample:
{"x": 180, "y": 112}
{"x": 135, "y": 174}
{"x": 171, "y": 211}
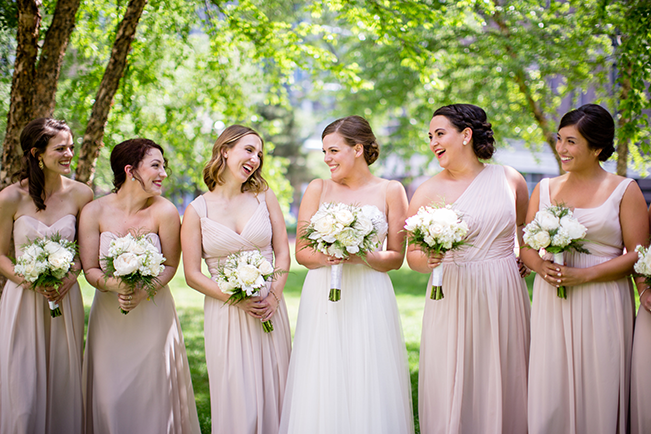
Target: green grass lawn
{"x": 410, "y": 293}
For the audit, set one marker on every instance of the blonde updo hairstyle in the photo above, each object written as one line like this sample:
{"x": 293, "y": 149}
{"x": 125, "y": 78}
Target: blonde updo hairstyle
{"x": 214, "y": 170}
{"x": 356, "y": 130}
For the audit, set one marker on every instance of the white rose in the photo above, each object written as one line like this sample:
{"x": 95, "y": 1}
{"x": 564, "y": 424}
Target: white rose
{"x": 643, "y": 264}
{"x": 446, "y": 216}
{"x": 349, "y": 237}
{"x": 247, "y": 274}
{"x": 539, "y": 240}
{"x": 30, "y": 272}
{"x": 364, "y": 224}
{"x": 326, "y": 225}
{"x": 574, "y": 229}
{"x": 266, "y": 268}
{"x": 32, "y": 252}
{"x": 226, "y": 286}
{"x": 561, "y": 238}
{"x": 61, "y": 259}
{"x": 336, "y": 251}
{"x": 344, "y": 216}
{"x": 547, "y": 221}
{"x": 126, "y": 264}
{"x": 413, "y": 222}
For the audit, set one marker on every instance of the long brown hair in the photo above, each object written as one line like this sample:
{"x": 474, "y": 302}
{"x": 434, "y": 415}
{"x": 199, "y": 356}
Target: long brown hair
{"x": 37, "y": 134}
{"x": 214, "y": 169}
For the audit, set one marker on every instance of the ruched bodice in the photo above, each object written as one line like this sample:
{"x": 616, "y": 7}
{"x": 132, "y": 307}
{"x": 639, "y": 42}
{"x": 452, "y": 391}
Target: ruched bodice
{"x": 487, "y": 206}
{"x": 247, "y": 367}
{"x": 256, "y": 235}
{"x": 40, "y": 357}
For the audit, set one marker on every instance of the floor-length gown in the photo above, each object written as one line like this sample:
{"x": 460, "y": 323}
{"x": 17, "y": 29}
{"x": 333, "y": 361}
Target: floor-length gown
{"x": 40, "y": 356}
{"x": 349, "y": 373}
{"x": 136, "y": 374}
{"x": 247, "y": 367}
{"x": 475, "y": 341}
{"x": 641, "y": 374}
{"x": 581, "y": 346}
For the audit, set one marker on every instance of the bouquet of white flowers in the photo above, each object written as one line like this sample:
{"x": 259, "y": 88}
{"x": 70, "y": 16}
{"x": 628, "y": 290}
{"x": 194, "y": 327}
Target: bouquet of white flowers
{"x": 643, "y": 264}
{"x": 136, "y": 261}
{"x": 556, "y": 230}
{"x": 436, "y": 230}
{"x": 242, "y": 275}
{"x": 341, "y": 230}
{"x": 46, "y": 262}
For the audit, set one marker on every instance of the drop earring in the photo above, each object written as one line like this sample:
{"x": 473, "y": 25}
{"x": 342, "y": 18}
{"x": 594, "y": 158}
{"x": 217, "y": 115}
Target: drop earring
{"x": 40, "y": 164}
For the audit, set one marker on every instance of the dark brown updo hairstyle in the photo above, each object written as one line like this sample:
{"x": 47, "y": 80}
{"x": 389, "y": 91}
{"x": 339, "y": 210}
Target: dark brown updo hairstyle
{"x": 356, "y": 130}
{"x": 596, "y": 126}
{"x": 37, "y": 134}
{"x": 464, "y": 116}
{"x": 215, "y": 168}
{"x": 130, "y": 153}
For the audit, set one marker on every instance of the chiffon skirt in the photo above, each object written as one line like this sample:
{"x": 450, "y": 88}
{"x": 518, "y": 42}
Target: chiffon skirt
{"x": 348, "y": 372}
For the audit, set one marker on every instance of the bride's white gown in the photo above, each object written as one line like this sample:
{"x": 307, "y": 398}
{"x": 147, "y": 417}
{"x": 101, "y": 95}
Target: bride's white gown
{"x": 348, "y": 373}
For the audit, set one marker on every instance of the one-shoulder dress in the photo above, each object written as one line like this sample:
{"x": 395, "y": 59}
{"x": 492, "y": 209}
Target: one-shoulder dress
{"x": 247, "y": 367}
{"x": 581, "y": 346}
{"x": 475, "y": 341}
{"x": 136, "y": 376}
{"x": 40, "y": 356}
{"x": 349, "y": 372}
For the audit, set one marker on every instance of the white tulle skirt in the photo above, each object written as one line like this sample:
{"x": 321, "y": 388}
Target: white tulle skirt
{"x": 348, "y": 372}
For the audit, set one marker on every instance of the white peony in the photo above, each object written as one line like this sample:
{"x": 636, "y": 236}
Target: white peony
{"x": 539, "y": 240}
{"x": 413, "y": 222}
{"x": 547, "y": 220}
{"x": 573, "y": 228}
{"x": 643, "y": 264}
{"x": 247, "y": 274}
{"x": 126, "y": 264}
{"x": 336, "y": 251}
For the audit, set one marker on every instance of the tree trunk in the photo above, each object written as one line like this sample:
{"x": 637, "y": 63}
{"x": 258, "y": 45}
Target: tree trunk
{"x": 49, "y": 64}
{"x": 548, "y": 133}
{"x": 622, "y": 145}
{"x": 22, "y": 87}
{"x": 114, "y": 70}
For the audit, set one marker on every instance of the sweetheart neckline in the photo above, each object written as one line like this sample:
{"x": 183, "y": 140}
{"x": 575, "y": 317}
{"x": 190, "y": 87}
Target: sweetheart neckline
{"x": 43, "y": 223}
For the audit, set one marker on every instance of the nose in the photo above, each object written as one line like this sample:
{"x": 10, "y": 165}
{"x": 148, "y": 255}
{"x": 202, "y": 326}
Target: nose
{"x": 163, "y": 173}
{"x": 69, "y": 152}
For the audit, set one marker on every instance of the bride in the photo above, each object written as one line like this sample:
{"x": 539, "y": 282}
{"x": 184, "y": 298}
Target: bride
{"x": 348, "y": 372}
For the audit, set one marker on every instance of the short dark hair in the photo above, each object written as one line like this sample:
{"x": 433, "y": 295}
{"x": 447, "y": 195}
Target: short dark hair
{"x": 37, "y": 134}
{"x": 130, "y": 153}
{"x": 596, "y": 126}
{"x": 354, "y": 130}
{"x": 464, "y": 116}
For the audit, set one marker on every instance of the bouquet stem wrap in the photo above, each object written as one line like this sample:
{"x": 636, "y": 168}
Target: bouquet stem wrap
{"x": 55, "y": 310}
{"x": 437, "y": 283}
{"x": 336, "y": 271}
{"x": 558, "y": 259}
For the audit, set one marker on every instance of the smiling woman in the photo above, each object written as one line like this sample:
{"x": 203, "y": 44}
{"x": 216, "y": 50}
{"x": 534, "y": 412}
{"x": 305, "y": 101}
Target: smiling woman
{"x": 40, "y": 356}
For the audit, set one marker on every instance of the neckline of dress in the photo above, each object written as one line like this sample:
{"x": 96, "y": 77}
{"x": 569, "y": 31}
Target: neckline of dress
{"x": 116, "y": 235}
{"x": 549, "y": 196}
{"x": 471, "y": 183}
{"x": 43, "y": 223}
{"x": 246, "y": 225}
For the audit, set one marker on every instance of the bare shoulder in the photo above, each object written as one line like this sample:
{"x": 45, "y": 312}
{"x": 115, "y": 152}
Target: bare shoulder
{"x": 315, "y": 186}
{"x": 270, "y": 196}
{"x": 80, "y": 191}
{"x": 12, "y": 194}
{"x": 395, "y": 188}
{"x": 164, "y": 208}
{"x": 426, "y": 192}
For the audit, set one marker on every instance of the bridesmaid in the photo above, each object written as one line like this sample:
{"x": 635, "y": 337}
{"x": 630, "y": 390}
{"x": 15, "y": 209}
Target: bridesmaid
{"x": 475, "y": 341}
{"x": 640, "y": 373}
{"x": 581, "y": 346}
{"x": 136, "y": 374}
{"x": 40, "y": 356}
{"x": 247, "y": 367}
{"x": 349, "y": 371}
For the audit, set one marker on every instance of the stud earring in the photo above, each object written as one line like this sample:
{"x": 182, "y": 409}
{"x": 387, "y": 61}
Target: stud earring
{"x": 465, "y": 142}
{"x": 40, "y": 164}
{"x": 133, "y": 178}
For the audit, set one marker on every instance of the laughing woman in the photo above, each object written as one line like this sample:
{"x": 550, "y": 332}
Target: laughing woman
{"x": 475, "y": 341}
{"x": 40, "y": 356}
{"x": 136, "y": 374}
{"x": 247, "y": 367}
{"x": 581, "y": 346}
